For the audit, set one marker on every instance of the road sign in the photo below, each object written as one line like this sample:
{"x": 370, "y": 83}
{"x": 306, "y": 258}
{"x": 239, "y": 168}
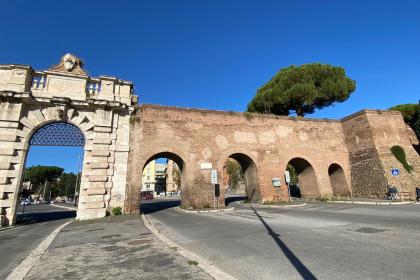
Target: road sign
{"x": 206, "y": 165}
{"x": 395, "y": 172}
{"x": 214, "y": 176}
{"x": 287, "y": 176}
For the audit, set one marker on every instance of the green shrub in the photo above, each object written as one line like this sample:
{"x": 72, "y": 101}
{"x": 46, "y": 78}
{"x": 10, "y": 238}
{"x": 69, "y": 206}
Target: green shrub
{"x": 117, "y": 211}
{"x": 399, "y": 154}
{"x": 325, "y": 198}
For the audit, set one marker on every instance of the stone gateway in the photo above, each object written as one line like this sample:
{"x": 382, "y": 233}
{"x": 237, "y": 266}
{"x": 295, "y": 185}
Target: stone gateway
{"x": 347, "y": 157}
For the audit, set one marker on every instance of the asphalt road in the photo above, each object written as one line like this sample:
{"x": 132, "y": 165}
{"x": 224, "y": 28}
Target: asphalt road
{"x": 37, "y": 223}
{"x": 316, "y": 241}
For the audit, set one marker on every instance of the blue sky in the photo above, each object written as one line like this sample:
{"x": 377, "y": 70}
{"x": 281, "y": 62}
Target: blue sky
{"x": 216, "y": 54}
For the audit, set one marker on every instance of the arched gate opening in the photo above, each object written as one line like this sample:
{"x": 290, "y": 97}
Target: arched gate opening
{"x": 52, "y": 173}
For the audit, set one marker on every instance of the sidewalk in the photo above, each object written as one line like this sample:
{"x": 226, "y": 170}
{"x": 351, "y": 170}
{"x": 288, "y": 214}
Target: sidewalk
{"x": 112, "y": 248}
{"x": 373, "y": 201}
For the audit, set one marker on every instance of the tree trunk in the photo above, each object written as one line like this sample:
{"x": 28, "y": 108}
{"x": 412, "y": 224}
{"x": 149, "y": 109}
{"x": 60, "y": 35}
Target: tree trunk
{"x": 300, "y": 112}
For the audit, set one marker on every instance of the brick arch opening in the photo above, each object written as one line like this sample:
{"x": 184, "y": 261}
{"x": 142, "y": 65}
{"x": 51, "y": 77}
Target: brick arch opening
{"x": 169, "y": 155}
{"x": 249, "y": 175}
{"x": 338, "y": 180}
{"x": 307, "y": 185}
{"x": 165, "y": 182}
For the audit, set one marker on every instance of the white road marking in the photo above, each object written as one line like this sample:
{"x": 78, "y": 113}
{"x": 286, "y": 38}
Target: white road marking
{"x": 26, "y": 265}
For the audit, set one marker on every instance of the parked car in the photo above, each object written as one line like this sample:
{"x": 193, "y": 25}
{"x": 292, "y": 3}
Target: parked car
{"x": 146, "y": 195}
{"x": 25, "y": 202}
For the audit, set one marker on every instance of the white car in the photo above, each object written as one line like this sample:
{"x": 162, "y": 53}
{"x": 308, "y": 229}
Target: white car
{"x": 25, "y": 203}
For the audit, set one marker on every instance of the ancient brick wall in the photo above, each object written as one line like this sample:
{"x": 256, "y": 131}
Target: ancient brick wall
{"x": 204, "y": 136}
{"x": 388, "y": 129}
{"x": 369, "y": 137}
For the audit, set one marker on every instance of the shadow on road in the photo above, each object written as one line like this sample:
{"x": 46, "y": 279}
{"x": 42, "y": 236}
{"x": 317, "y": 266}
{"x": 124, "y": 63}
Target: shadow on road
{"x": 152, "y": 206}
{"x": 41, "y": 217}
{"x": 231, "y": 199}
{"x": 300, "y": 267}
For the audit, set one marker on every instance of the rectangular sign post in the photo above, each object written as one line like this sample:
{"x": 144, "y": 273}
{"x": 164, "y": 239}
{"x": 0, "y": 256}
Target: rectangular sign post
{"x": 216, "y": 187}
{"x": 214, "y": 176}
{"x": 287, "y": 179}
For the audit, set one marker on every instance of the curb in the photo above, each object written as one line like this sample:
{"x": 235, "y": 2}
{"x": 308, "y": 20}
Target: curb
{"x": 279, "y": 206}
{"x": 202, "y": 263}
{"x": 65, "y": 207}
{"x": 26, "y": 265}
{"x": 373, "y": 203}
{"x": 274, "y": 206}
{"x": 205, "y": 211}
{"x": 7, "y": 228}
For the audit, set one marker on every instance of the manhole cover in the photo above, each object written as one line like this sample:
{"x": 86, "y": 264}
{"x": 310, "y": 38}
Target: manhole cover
{"x": 368, "y": 230}
{"x": 138, "y": 242}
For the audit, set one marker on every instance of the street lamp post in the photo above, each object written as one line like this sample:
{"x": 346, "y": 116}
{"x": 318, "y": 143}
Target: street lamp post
{"x": 77, "y": 180}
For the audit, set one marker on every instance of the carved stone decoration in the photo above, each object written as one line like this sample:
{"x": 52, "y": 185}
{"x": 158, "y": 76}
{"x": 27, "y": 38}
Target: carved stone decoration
{"x": 58, "y": 114}
{"x": 69, "y": 64}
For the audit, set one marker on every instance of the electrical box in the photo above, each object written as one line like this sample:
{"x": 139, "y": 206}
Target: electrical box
{"x": 276, "y": 182}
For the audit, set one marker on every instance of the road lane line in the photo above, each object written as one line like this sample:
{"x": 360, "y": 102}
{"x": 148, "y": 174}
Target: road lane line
{"x": 202, "y": 263}
{"x": 26, "y": 265}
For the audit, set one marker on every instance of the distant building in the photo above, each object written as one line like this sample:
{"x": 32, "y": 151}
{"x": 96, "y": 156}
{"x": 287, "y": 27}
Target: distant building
{"x": 160, "y": 178}
{"x": 148, "y": 177}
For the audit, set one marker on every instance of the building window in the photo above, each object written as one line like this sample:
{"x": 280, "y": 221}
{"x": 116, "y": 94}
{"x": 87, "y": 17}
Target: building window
{"x": 148, "y": 178}
{"x": 147, "y": 186}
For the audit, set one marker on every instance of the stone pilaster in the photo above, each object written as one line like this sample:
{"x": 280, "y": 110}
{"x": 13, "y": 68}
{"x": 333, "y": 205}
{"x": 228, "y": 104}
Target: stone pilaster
{"x": 12, "y": 151}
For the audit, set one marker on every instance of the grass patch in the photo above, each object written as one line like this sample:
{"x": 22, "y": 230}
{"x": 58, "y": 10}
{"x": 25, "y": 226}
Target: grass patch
{"x": 275, "y": 202}
{"x": 325, "y": 198}
{"x": 190, "y": 262}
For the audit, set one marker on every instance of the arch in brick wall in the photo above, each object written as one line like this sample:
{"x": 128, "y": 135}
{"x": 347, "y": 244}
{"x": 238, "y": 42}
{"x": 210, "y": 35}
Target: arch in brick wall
{"x": 338, "y": 180}
{"x": 171, "y": 156}
{"x": 250, "y": 174}
{"x": 306, "y": 177}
